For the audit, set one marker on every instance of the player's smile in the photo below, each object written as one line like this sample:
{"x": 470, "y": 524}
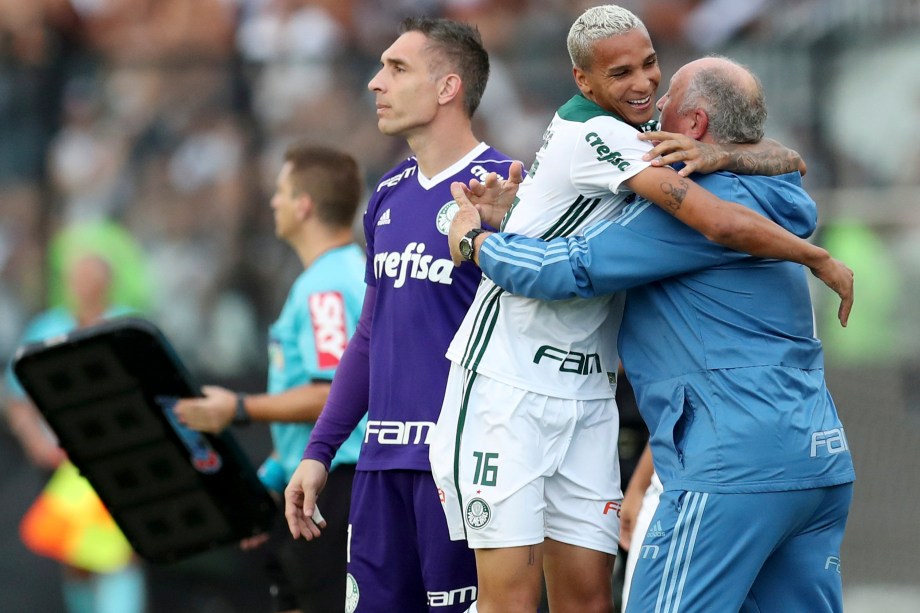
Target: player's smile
{"x": 623, "y": 78}
{"x": 641, "y": 104}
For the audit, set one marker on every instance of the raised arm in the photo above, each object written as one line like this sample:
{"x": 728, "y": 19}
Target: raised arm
{"x": 741, "y": 229}
{"x": 767, "y": 157}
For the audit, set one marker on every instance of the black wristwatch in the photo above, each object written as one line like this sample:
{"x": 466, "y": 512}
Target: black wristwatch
{"x": 466, "y": 243}
{"x": 241, "y": 418}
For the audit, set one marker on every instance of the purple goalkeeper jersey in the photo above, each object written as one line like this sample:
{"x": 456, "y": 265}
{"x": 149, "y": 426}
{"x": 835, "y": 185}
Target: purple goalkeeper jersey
{"x": 421, "y": 298}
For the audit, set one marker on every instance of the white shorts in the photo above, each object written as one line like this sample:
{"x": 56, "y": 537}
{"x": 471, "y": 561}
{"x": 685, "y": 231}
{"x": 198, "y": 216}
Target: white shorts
{"x": 514, "y": 467}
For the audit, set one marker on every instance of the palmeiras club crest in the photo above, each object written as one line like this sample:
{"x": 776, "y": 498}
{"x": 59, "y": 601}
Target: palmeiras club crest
{"x": 478, "y": 513}
{"x": 445, "y": 216}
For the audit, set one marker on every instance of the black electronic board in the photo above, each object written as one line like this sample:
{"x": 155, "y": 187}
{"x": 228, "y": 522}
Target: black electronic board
{"x": 107, "y": 393}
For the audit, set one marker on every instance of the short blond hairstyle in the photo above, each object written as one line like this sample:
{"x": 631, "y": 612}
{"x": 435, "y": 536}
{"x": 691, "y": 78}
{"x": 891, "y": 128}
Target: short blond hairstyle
{"x": 598, "y": 23}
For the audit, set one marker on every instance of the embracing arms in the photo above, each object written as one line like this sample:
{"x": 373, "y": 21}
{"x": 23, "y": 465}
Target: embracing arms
{"x": 721, "y": 221}
{"x": 767, "y": 157}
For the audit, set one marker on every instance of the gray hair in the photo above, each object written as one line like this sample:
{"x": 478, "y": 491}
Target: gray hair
{"x": 598, "y": 23}
{"x": 737, "y": 113}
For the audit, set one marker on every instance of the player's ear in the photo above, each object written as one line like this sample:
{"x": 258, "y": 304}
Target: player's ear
{"x": 581, "y": 80}
{"x": 450, "y": 87}
{"x": 305, "y": 206}
{"x": 699, "y": 123}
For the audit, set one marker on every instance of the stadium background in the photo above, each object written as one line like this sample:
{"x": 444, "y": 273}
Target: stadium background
{"x": 168, "y": 118}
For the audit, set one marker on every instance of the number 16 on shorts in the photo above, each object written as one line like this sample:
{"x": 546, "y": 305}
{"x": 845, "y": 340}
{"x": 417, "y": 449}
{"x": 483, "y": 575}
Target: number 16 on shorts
{"x": 486, "y": 468}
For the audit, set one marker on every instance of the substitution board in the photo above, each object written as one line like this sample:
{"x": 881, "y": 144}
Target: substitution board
{"x": 107, "y": 392}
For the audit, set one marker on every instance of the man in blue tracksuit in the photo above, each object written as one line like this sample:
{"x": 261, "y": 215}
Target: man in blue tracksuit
{"x": 728, "y": 374}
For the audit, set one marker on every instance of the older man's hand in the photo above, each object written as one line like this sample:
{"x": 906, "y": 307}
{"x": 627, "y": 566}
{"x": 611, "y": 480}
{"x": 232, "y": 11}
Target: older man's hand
{"x": 672, "y": 147}
{"x": 839, "y": 277}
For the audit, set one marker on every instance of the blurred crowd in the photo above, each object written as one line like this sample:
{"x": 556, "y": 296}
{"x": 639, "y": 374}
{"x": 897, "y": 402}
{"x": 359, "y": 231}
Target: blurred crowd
{"x": 153, "y": 130}
{"x": 168, "y": 118}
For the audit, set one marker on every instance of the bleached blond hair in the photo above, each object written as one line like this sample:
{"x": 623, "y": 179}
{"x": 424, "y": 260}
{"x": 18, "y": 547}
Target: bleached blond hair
{"x": 598, "y": 23}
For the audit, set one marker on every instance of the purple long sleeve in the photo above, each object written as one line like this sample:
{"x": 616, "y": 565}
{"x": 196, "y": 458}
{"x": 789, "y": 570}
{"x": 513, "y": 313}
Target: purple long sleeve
{"x": 348, "y": 395}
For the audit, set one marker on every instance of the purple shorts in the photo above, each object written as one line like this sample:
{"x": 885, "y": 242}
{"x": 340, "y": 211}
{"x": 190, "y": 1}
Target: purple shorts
{"x": 400, "y": 555}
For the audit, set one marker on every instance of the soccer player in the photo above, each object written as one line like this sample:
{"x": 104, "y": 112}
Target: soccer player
{"x": 317, "y": 194}
{"x": 401, "y": 558}
{"x": 728, "y": 375}
{"x": 524, "y": 446}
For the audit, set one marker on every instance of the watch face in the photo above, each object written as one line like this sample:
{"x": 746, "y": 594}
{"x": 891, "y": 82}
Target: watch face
{"x": 466, "y": 247}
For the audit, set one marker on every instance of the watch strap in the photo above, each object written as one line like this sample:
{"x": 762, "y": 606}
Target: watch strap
{"x": 469, "y": 239}
{"x": 241, "y": 417}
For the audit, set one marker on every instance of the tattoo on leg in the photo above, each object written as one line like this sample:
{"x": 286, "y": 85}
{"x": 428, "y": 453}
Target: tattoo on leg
{"x": 531, "y": 558}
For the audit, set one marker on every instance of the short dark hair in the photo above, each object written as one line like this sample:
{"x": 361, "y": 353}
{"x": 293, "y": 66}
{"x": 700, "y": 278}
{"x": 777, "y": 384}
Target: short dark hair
{"x": 332, "y": 179}
{"x": 460, "y": 45}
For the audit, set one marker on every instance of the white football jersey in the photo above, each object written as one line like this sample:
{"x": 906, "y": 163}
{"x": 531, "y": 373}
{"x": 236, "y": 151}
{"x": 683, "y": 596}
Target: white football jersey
{"x": 564, "y": 348}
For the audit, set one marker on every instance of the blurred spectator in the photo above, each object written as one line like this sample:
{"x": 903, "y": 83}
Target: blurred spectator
{"x": 374, "y": 22}
{"x": 129, "y": 286}
{"x": 21, "y": 260}
{"x": 291, "y": 44}
{"x": 131, "y": 31}
{"x": 33, "y": 43}
{"x": 86, "y": 157}
{"x": 864, "y": 154}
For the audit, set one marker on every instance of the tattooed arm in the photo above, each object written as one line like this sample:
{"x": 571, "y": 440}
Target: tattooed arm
{"x": 767, "y": 157}
{"x": 723, "y": 222}
{"x": 740, "y": 228}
